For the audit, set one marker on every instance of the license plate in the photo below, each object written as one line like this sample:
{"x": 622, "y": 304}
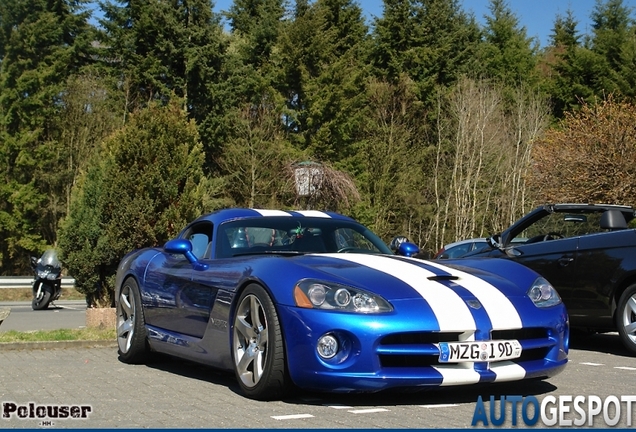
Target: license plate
{"x": 479, "y": 351}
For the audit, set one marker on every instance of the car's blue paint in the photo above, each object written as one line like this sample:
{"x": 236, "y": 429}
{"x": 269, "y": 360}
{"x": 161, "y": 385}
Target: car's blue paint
{"x": 408, "y": 249}
{"x": 188, "y": 305}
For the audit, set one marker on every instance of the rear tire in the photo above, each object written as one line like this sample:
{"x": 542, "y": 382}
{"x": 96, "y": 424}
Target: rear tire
{"x": 42, "y": 301}
{"x": 131, "y": 324}
{"x": 626, "y": 318}
{"x": 258, "y": 352}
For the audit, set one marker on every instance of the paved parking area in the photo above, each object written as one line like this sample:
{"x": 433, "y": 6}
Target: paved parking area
{"x": 119, "y": 395}
{"x": 170, "y": 393}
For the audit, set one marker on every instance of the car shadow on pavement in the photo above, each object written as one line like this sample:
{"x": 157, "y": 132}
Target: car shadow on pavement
{"x": 193, "y": 370}
{"x": 433, "y": 396}
{"x": 608, "y": 343}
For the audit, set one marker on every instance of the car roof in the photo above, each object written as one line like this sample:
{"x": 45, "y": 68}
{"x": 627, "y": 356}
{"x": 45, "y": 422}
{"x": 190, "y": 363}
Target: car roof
{"x": 539, "y": 212}
{"x": 224, "y": 215}
{"x": 626, "y": 210}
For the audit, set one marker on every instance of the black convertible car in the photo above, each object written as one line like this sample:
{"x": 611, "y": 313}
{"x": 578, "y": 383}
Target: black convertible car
{"x": 588, "y": 253}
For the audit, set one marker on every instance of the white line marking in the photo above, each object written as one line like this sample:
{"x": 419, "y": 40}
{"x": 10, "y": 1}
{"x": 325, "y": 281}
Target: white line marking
{"x": 292, "y": 417}
{"x": 367, "y": 411}
{"x": 624, "y": 367}
{"x": 439, "y": 406}
{"x": 339, "y": 406}
{"x": 592, "y": 364}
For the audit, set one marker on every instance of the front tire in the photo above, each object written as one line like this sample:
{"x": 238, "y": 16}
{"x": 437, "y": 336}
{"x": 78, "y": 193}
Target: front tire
{"x": 131, "y": 324}
{"x": 42, "y": 299}
{"x": 258, "y": 351}
{"x": 626, "y": 318}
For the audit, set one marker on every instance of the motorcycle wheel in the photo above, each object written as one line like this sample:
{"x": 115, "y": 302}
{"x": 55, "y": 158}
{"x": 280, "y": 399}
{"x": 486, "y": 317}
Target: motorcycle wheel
{"x": 42, "y": 301}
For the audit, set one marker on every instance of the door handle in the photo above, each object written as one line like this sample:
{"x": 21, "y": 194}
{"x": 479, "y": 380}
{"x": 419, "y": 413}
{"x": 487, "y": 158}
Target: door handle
{"x": 565, "y": 261}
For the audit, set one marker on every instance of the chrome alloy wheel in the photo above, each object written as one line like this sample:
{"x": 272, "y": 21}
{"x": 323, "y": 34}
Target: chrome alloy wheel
{"x": 250, "y": 340}
{"x": 126, "y": 318}
{"x": 628, "y": 318}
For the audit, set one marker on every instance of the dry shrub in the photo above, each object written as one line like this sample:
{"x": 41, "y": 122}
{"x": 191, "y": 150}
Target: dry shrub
{"x": 590, "y": 158}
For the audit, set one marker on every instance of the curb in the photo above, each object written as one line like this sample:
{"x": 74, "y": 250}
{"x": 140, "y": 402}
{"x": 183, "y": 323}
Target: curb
{"x": 44, "y": 345}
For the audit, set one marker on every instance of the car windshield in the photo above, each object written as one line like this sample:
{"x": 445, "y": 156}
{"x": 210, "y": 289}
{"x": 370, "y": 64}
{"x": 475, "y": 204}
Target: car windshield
{"x": 562, "y": 224}
{"x": 296, "y": 235}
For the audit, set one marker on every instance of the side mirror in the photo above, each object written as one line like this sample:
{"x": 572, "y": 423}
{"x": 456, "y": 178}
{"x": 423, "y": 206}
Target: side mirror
{"x": 396, "y": 242}
{"x": 494, "y": 241}
{"x": 408, "y": 249}
{"x": 184, "y": 247}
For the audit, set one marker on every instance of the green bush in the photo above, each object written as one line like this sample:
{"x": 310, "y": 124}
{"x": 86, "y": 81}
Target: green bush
{"x": 145, "y": 184}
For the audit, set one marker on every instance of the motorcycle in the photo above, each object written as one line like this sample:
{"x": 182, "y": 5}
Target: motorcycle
{"x": 47, "y": 284}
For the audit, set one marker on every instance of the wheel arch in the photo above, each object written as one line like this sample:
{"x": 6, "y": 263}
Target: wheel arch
{"x": 239, "y": 291}
{"x": 232, "y": 313}
{"x": 618, "y": 292}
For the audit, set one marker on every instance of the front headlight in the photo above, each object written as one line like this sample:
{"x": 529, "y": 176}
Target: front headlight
{"x": 313, "y": 294}
{"x": 543, "y": 294}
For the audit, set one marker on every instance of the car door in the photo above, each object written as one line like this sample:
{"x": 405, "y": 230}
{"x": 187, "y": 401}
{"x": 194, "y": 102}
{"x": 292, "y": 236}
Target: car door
{"x": 554, "y": 260}
{"x": 176, "y": 302}
{"x": 600, "y": 266}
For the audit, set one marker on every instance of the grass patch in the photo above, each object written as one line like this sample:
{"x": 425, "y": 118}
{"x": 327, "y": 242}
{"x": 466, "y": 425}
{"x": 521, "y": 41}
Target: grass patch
{"x": 26, "y": 294}
{"x": 83, "y": 334}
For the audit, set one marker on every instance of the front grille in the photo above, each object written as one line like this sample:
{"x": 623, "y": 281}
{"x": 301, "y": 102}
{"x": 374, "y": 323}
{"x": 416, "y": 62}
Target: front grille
{"x": 520, "y": 334}
{"x": 420, "y": 338}
{"x": 413, "y": 350}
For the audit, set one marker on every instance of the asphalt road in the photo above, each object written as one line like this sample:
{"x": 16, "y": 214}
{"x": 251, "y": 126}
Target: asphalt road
{"x": 63, "y": 314}
{"x": 169, "y": 393}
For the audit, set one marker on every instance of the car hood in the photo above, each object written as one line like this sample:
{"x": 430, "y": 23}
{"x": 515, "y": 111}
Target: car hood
{"x": 395, "y": 277}
{"x": 411, "y": 281}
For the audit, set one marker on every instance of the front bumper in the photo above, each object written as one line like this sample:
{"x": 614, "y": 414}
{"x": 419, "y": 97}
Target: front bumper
{"x": 384, "y": 351}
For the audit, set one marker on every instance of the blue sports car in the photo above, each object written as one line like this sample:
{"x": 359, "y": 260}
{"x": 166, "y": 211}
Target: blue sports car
{"x": 315, "y": 300}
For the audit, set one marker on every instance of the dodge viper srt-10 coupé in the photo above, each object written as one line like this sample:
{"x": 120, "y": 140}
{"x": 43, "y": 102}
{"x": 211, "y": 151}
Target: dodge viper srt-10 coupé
{"x": 314, "y": 300}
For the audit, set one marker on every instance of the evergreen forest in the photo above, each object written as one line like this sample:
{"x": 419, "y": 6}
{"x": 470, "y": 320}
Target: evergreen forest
{"x": 423, "y": 122}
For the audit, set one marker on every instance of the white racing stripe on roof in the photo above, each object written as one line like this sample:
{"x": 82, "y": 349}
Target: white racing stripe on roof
{"x": 450, "y": 310}
{"x": 265, "y": 212}
{"x": 507, "y": 371}
{"x": 500, "y": 310}
{"x": 313, "y": 213}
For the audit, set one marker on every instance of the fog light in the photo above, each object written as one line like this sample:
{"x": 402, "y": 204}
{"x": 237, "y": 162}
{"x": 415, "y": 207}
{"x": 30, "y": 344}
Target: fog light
{"x": 327, "y": 346}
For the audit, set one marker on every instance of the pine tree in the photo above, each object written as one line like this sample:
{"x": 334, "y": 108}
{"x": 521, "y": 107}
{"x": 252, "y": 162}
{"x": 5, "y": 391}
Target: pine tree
{"x": 42, "y": 44}
{"x": 433, "y": 42}
{"x": 570, "y": 66}
{"x": 322, "y": 53}
{"x": 613, "y": 41}
{"x": 164, "y": 48}
{"x": 507, "y": 54}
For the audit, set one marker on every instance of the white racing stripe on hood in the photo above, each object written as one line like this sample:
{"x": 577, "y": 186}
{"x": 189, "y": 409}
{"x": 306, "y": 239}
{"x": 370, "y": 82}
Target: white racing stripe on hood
{"x": 266, "y": 212}
{"x": 502, "y": 313}
{"x": 451, "y": 311}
